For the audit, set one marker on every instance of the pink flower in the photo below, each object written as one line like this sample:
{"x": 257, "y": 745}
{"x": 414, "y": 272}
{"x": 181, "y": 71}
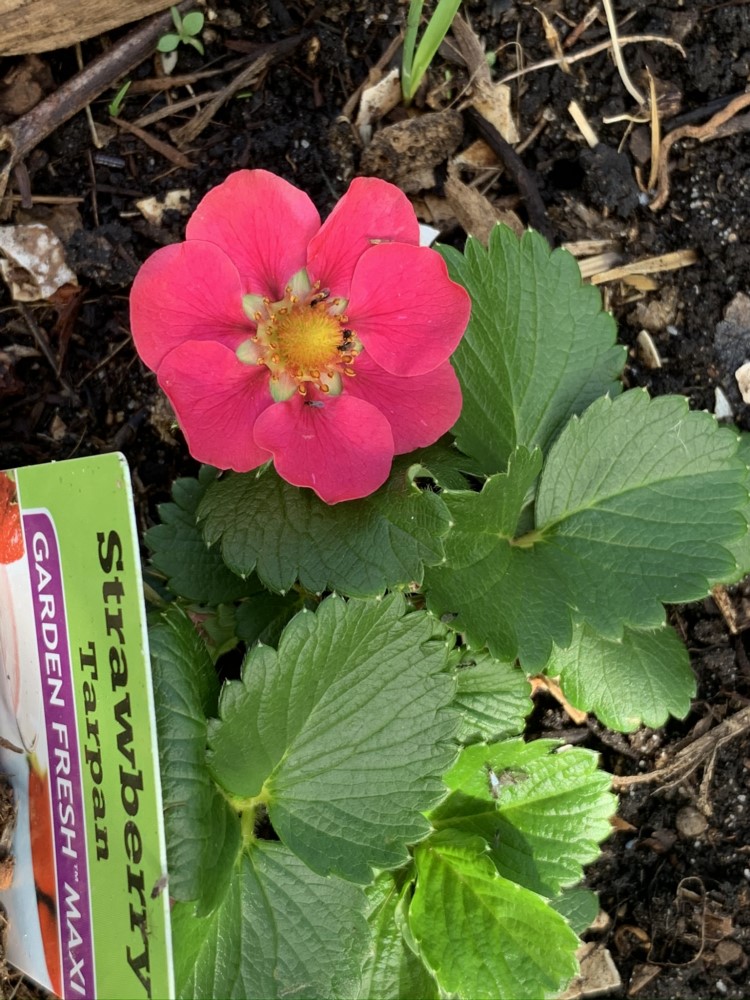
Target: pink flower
{"x": 323, "y": 347}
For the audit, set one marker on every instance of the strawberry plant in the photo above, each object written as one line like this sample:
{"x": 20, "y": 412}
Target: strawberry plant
{"x": 355, "y": 811}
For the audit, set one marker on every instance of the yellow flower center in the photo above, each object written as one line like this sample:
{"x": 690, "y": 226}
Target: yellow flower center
{"x": 303, "y": 339}
{"x": 307, "y": 338}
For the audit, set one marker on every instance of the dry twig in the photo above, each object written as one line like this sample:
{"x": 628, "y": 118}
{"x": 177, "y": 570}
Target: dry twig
{"x": 716, "y": 128}
{"x": 518, "y": 171}
{"x": 692, "y": 756}
{"x": 188, "y": 133}
{"x": 592, "y": 51}
{"x": 617, "y": 53}
{"x": 158, "y": 145}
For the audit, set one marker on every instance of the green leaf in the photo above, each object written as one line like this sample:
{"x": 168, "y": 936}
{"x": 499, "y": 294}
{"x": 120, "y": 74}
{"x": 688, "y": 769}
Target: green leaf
{"x": 192, "y": 23}
{"x": 544, "y": 814}
{"x": 636, "y": 503}
{"x": 447, "y": 466}
{"x": 168, "y": 43}
{"x": 490, "y": 590}
{"x": 203, "y": 834}
{"x": 358, "y": 548}
{"x": 537, "y": 350}
{"x": 638, "y": 499}
{"x": 492, "y": 698}
{"x": 262, "y": 616}
{"x": 281, "y": 932}
{"x": 194, "y": 570}
{"x": 740, "y": 548}
{"x": 480, "y": 934}
{"x": 640, "y": 679}
{"x": 391, "y": 968}
{"x": 579, "y": 906}
{"x": 343, "y": 733}
{"x": 117, "y": 101}
{"x": 218, "y": 628}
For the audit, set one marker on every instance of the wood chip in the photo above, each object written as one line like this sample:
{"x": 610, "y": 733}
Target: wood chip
{"x": 621, "y": 825}
{"x": 587, "y": 248}
{"x": 649, "y": 265}
{"x": 552, "y": 38}
{"x": 599, "y": 263}
{"x": 153, "y": 209}
{"x": 647, "y": 350}
{"x": 376, "y": 101}
{"x": 42, "y": 25}
{"x": 735, "y": 608}
{"x": 477, "y": 156}
{"x": 543, "y": 683}
{"x": 576, "y": 113}
{"x": 643, "y": 974}
{"x": 407, "y": 152}
{"x": 33, "y": 262}
{"x": 474, "y": 211}
{"x": 598, "y": 976}
{"x": 492, "y": 100}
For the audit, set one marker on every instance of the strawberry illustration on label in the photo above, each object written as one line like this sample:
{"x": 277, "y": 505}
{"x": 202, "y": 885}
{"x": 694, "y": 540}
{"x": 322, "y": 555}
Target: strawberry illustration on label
{"x": 43, "y": 858}
{"x": 11, "y": 533}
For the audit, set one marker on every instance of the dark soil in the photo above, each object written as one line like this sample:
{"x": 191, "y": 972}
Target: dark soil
{"x": 677, "y": 895}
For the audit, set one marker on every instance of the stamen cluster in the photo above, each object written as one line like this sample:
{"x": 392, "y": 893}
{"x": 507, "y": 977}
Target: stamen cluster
{"x": 303, "y": 338}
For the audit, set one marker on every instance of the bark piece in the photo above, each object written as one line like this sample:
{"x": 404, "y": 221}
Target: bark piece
{"x": 42, "y": 25}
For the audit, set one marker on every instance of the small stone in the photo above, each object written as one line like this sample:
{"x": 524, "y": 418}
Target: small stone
{"x": 743, "y": 381}
{"x": 729, "y": 953}
{"x": 691, "y": 823}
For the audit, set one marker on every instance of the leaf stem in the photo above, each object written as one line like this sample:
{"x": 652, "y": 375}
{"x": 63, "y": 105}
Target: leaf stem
{"x": 247, "y": 825}
{"x": 529, "y": 540}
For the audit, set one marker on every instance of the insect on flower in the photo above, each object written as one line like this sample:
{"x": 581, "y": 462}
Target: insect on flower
{"x": 263, "y": 315}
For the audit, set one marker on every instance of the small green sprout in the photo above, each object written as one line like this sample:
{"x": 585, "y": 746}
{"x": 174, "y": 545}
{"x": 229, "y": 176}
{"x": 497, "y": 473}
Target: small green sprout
{"x": 187, "y": 28}
{"x": 415, "y": 65}
{"x": 118, "y": 100}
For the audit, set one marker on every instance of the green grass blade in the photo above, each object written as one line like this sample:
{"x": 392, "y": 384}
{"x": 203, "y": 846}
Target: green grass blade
{"x": 410, "y": 42}
{"x": 436, "y": 30}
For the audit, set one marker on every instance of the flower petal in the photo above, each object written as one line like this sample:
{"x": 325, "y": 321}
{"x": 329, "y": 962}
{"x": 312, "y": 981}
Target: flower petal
{"x": 263, "y": 223}
{"x": 419, "y": 408}
{"x": 217, "y": 400}
{"x": 405, "y": 309}
{"x": 343, "y": 449}
{"x": 187, "y": 291}
{"x": 371, "y": 211}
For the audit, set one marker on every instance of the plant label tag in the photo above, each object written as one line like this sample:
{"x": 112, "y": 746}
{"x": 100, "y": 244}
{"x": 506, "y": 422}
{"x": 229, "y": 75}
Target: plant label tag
{"x": 79, "y": 736}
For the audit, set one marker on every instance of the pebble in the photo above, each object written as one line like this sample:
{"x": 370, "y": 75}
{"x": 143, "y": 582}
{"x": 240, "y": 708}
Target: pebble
{"x": 728, "y": 952}
{"x": 690, "y": 822}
